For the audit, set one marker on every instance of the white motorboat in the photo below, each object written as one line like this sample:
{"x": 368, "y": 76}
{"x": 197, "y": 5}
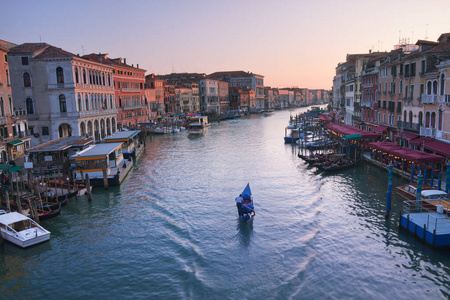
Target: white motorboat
{"x": 21, "y": 230}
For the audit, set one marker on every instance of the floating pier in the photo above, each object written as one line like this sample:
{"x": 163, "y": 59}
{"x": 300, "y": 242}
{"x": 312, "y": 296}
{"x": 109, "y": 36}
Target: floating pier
{"x": 428, "y": 221}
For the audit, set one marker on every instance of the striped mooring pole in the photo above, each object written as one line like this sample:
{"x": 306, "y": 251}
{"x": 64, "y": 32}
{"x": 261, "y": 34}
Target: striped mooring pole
{"x": 412, "y": 173}
{"x": 439, "y": 180}
{"x": 432, "y": 177}
{"x": 419, "y": 190}
{"x": 447, "y": 178}
{"x": 389, "y": 191}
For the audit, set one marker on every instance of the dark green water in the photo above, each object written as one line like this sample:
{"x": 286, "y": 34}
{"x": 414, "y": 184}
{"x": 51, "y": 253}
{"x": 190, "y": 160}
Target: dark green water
{"x": 171, "y": 230}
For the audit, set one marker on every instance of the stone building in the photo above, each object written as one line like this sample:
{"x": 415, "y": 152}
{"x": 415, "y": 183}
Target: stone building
{"x": 62, "y": 93}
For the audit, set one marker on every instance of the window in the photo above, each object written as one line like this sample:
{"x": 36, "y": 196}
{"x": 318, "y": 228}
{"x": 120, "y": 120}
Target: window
{"x": 6, "y": 58}
{"x": 421, "y": 89}
{"x": 59, "y": 75}
{"x": 433, "y": 120}
{"x": 2, "y": 106}
{"x": 423, "y": 67}
{"x": 77, "y": 80}
{"x": 412, "y": 91}
{"x": 413, "y": 69}
{"x": 407, "y": 71}
{"x": 442, "y": 84}
{"x": 31, "y": 128}
{"x": 7, "y": 78}
{"x": 62, "y": 104}
{"x": 29, "y": 104}
{"x": 87, "y": 102}
{"x": 45, "y": 131}
{"x": 84, "y": 76}
{"x": 26, "y": 79}
{"x": 25, "y": 61}
{"x": 400, "y": 89}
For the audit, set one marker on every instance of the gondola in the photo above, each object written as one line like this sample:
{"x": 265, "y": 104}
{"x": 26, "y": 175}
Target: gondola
{"x": 246, "y": 210}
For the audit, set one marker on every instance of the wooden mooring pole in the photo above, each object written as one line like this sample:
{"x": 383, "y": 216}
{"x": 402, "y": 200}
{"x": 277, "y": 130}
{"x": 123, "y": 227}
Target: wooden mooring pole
{"x": 105, "y": 178}
{"x": 88, "y": 188}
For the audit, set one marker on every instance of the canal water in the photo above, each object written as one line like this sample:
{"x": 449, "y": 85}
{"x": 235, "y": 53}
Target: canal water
{"x": 170, "y": 231}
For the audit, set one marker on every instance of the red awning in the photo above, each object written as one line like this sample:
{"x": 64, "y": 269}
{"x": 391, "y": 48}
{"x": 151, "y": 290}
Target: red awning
{"x": 420, "y": 141}
{"x": 380, "y": 129}
{"x": 348, "y": 130}
{"x": 384, "y": 146}
{"x": 325, "y": 118}
{"x": 417, "y": 156}
{"x": 438, "y": 147}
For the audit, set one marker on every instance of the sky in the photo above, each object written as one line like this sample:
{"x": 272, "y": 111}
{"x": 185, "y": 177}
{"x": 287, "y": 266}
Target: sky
{"x": 292, "y": 43}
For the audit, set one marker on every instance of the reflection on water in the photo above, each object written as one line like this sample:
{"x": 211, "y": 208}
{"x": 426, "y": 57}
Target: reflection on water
{"x": 244, "y": 232}
{"x": 171, "y": 229}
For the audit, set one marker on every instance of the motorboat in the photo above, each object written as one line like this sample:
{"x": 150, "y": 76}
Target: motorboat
{"x": 21, "y": 230}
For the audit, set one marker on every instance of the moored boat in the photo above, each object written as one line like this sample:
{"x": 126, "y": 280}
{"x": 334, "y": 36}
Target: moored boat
{"x": 21, "y": 230}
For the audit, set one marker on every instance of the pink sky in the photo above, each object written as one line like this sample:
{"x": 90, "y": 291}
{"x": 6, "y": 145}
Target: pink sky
{"x": 291, "y": 43}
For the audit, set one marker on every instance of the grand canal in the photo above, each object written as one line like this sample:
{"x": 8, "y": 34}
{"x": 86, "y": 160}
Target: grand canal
{"x": 171, "y": 230}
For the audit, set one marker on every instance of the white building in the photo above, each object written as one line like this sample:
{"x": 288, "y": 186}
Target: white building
{"x": 349, "y": 102}
{"x": 62, "y": 93}
{"x": 209, "y": 95}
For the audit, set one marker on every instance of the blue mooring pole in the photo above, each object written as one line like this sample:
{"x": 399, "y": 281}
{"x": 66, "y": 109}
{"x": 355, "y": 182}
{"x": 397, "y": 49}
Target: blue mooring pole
{"x": 389, "y": 191}
{"x": 447, "y": 178}
{"x": 412, "y": 173}
{"x": 439, "y": 180}
{"x": 424, "y": 175}
{"x": 432, "y": 177}
{"x": 419, "y": 190}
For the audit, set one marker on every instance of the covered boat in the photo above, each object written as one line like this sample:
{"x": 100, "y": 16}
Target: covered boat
{"x": 21, "y": 230}
{"x": 246, "y": 209}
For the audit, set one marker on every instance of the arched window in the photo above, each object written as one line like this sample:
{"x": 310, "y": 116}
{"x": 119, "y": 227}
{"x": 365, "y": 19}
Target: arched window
{"x": 62, "y": 104}
{"x": 59, "y": 75}
{"x": 440, "y": 120}
{"x": 410, "y": 117}
{"x": 429, "y": 87}
{"x": 435, "y": 87}
{"x": 110, "y": 101}
{"x": 420, "y": 118}
{"x": 427, "y": 119}
{"x": 442, "y": 84}
{"x": 77, "y": 80}
{"x": 404, "y": 116}
{"x": 26, "y": 79}
{"x": 79, "y": 102}
{"x": 29, "y": 104}
{"x": 84, "y": 76}
{"x": 87, "y": 102}
{"x": 433, "y": 120}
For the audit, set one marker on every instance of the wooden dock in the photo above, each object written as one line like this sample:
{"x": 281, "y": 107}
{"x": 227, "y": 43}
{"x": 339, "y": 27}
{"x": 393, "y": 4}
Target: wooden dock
{"x": 430, "y": 227}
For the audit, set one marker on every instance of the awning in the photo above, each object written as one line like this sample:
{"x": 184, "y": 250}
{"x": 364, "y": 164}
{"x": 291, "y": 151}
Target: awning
{"x": 351, "y": 137}
{"x": 6, "y": 168}
{"x": 384, "y": 146}
{"x": 420, "y": 141}
{"x": 408, "y": 136}
{"x": 380, "y": 129}
{"x": 15, "y": 143}
{"x": 417, "y": 156}
{"x": 438, "y": 147}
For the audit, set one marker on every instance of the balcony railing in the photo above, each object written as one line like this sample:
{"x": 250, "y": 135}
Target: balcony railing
{"x": 131, "y": 107}
{"x": 3, "y": 120}
{"x": 409, "y": 126}
{"x": 130, "y": 90}
{"x": 429, "y": 99}
{"x": 427, "y": 131}
{"x": 90, "y": 113}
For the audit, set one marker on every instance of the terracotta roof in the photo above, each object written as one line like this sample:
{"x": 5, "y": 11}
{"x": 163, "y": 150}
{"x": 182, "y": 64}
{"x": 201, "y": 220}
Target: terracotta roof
{"x": 52, "y": 51}
{"x": 28, "y": 48}
{"x": 114, "y": 62}
{"x": 443, "y": 36}
{"x": 232, "y": 74}
{"x": 7, "y": 45}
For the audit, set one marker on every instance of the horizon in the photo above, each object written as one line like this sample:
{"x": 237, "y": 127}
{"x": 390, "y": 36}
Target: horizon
{"x": 290, "y": 44}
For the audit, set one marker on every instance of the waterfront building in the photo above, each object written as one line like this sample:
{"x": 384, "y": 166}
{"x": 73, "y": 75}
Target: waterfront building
{"x": 242, "y": 99}
{"x": 183, "y": 95}
{"x": 129, "y": 84}
{"x": 243, "y": 79}
{"x": 14, "y": 133}
{"x": 209, "y": 95}
{"x": 349, "y": 101}
{"x": 269, "y": 97}
{"x": 224, "y": 101}
{"x": 154, "y": 92}
{"x": 285, "y": 97}
{"x": 194, "y": 86}
{"x": 171, "y": 105}
{"x": 62, "y": 93}
{"x": 181, "y": 78}
{"x": 443, "y": 98}
{"x": 369, "y": 92}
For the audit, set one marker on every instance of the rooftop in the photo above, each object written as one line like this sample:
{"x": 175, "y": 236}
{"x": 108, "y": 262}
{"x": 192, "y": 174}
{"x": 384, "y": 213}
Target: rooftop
{"x": 97, "y": 150}
{"x": 123, "y": 135}
{"x": 62, "y": 144}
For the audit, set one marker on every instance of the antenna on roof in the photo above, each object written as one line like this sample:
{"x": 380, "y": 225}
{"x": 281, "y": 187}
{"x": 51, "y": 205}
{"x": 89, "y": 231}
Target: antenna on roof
{"x": 426, "y": 31}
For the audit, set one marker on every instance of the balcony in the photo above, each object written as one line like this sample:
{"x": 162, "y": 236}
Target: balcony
{"x": 3, "y": 120}
{"x": 131, "y": 107}
{"x": 20, "y": 114}
{"x": 427, "y": 131}
{"x": 408, "y": 126}
{"x": 429, "y": 99}
{"x": 130, "y": 90}
{"x": 95, "y": 113}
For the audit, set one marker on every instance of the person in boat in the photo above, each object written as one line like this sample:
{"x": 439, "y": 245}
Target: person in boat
{"x": 239, "y": 201}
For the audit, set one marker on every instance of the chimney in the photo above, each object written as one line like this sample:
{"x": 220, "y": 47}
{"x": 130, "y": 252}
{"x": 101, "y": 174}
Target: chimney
{"x": 137, "y": 66}
{"x": 370, "y": 51}
{"x": 125, "y": 61}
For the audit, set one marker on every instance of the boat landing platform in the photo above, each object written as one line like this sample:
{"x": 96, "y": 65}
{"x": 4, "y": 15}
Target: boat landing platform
{"x": 430, "y": 227}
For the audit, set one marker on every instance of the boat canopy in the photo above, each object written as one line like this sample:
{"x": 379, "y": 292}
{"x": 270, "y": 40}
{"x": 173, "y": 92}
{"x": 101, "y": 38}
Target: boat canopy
{"x": 247, "y": 193}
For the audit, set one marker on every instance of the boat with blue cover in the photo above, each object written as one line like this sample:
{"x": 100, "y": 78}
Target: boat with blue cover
{"x": 244, "y": 202}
